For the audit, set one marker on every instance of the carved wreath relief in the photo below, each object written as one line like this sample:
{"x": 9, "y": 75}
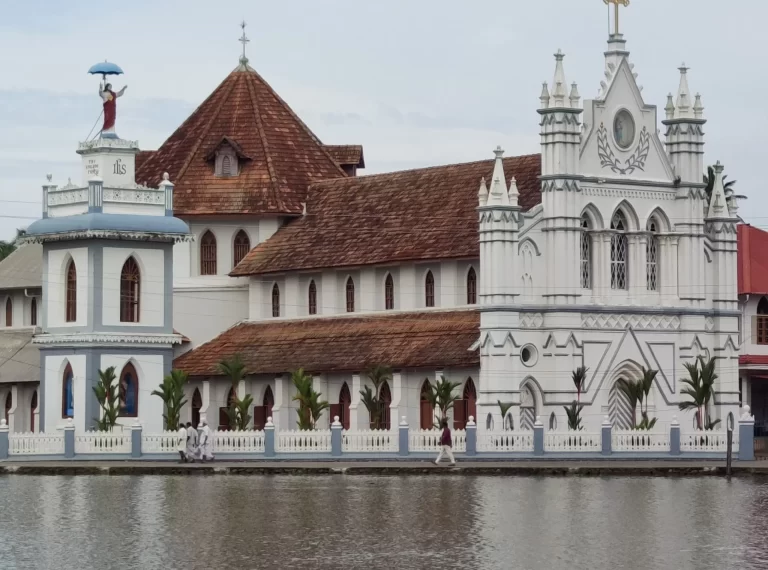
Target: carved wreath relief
{"x": 624, "y": 135}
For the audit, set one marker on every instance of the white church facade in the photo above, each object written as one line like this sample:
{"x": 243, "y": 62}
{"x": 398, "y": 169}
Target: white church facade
{"x": 504, "y": 276}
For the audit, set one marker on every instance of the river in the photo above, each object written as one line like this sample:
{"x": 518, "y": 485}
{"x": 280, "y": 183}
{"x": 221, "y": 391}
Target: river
{"x": 360, "y": 522}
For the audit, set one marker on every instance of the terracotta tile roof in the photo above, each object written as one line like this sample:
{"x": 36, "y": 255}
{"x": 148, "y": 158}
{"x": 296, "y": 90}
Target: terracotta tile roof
{"x": 285, "y": 156}
{"x": 142, "y": 157}
{"x": 333, "y": 344}
{"x": 752, "y": 260}
{"x": 428, "y": 213}
{"x": 347, "y": 154}
{"x": 755, "y": 359}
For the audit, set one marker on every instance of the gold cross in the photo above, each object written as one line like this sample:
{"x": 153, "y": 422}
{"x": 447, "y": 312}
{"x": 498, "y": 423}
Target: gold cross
{"x": 617, "y": 3}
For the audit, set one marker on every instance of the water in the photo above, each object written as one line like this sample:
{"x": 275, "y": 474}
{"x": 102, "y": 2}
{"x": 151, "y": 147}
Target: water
{"x": 356, "y": 522}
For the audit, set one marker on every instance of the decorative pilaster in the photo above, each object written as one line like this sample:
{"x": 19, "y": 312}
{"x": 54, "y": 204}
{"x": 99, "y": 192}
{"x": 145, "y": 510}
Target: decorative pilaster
{"x": 167, "y": 186}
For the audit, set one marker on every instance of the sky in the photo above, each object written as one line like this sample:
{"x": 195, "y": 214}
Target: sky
{"x": 418, "y": 83}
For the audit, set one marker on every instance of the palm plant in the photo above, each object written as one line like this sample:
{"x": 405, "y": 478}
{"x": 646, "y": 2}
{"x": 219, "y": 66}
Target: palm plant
{"x": 504, "y": 409}
{"x": 171, "y": 392}
{"x": 709, "y": 180}
{"x": 442, "y": 397}
{"x": 699, "y": 388}
{"x": 106, "y": 392}
{"x": 579, "y": 378}
{"x": 574, "y": 416}
{"x": 234, "y": 369}
{"x": 310, "y": 405}
{"x": 242, "y": 417}
{"x": 371, "y": 397}
{"x": 633, "y": 390}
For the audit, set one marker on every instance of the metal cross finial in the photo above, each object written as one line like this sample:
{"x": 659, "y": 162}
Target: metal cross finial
{"x": 617, "y": 3}
{"x": 244, "y": 40}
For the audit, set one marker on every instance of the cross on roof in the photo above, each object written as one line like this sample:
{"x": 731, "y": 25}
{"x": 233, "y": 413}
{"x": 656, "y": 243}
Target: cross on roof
{"x": 616, "y": 4}
{"x": 244, "y": 40}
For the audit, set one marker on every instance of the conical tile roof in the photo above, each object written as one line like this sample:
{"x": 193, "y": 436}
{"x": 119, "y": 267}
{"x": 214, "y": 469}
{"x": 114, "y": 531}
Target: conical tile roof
{"x": 279, "y": 157}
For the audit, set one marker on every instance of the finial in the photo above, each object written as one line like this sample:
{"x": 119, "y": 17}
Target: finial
{"x": 49, "y": 177}
{"x": 575, "y": 96}
{"x": 544, "y": 97}
{"x": 683, "y": 69}
{"x": 698, "y": 107}
{"x": 499, "y": 152}
{"x": 559, "y": 55}
{"x": 670, "y": 108}
{"x": 166, "y": 176}
{"x": 243, "y": 40}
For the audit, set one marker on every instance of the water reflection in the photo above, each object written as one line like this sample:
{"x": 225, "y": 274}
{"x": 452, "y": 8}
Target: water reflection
{"x": 382, "y": 522}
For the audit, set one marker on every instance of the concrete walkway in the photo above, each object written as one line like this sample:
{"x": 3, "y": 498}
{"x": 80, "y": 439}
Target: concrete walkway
{"x": 558, "y": 468}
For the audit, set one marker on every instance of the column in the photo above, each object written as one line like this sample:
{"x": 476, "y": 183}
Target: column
{"x": 746, "y": 435}
{"x": 206, "y": 396}
{"x": 320, "y": 385}
{"x": 358, "y": 415}
{"x": 397, "y": 404}
{"x": 280, "y": 411}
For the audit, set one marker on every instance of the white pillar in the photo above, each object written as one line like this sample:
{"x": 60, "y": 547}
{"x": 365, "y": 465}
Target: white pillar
{"x": 358, "y": 414}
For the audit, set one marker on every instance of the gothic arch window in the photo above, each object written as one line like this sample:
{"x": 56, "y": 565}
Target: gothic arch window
{"x": 33, "y": 312}
{"x": 269, "y": 401}
{"x": 312, "y": 306}
{"x": 130, "y": 289}
{"x": 553, "y": 422}
{"x": 8, "y": 405}
{"x": 350, "y": 295}
{"x": 385, "y": 399}
{"x": 471, "y": 287}
{"x": 619, "y": 252}
{"x": 68, "y": 393}
{"x": 129, "y": 392}
{"x": 241, "y": 247}
{"x": 586, "y": 253}
{"x": 8, "y": 312}
{"x": 389, "y": 293}
{"x": 208, "y": 254}
{"x": 762, "y": 306}
{"x": 429, "y": 290}
{"x": 71, "y": 302}
{"x": 345, "y": 400}
{"x": 466, "y": 407}
{"x": 619, "y": 410}
{"x": 426, "y": 412}
{"x": 275, "y": 300}
{"x": 32, "y": 410}
{"x": 760, "y": 326}
{"x": 652, "y": 256}
{"x": 197, "y": 405}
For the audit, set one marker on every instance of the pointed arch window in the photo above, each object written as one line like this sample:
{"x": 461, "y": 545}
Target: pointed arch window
{"x": 426, "y": 411}
{"x": 619, "y": 252}
{"x": 389, "y": 293}
{"x": 652, "y": 257}
{"x": 466, "y": 407}
{"x": 129, "y": 392}
{"x": 586, "y": 254}
{"x": 350, "y": 295}
{"x": 8, "y": 312}
{"x": 8, "y": 406}
{"x": 32, "y": 410}
{"x": 471, "y": 287}
{"x": 429, "y": 290}
{"x": 312, "y": 298}
{"x": 760, "y": 326}
{"x": 130, "y": 288}
{"x": 275, "y": 300}
{"x": 226, "y": 166}
{"x": 68, "y": 393}
{"x": 71, "y": 307}
{"x": 242, "y": 247}
{"x": 208, "y": 254}
{"x": 385, "y": 400}
{"x": 345, "y": 400}
{"x": 33, "y": 312}
{"x": 197, "y": 405}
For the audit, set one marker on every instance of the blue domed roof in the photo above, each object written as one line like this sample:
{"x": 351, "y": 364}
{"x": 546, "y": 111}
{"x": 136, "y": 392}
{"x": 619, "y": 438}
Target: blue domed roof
{"x": 109, "y": 222}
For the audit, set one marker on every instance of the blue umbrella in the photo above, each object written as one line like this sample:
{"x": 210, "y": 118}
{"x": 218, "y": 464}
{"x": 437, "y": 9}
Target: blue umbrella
{"x": 105, "y": 68}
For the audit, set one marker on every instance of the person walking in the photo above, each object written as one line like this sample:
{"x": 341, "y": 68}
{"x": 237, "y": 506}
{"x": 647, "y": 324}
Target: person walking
{"x": 191, "y": 442}
{"x": 182, "y": 443}
{"x": 446, "y": 443}
{"x": 206, "y": 443}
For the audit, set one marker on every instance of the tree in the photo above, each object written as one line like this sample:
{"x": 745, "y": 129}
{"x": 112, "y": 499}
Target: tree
{"x": 709, "y": 180}
{"x": 700, "y": 389}
{"x": 579, "y": 378}
{"x": 171, "y": 392}
{"x": 504, "y": 409}
{"x": 107, "y": 395}
{"x": 371, "y": 397}
{"x": 310, "y": 405}
{"x": 234, "y": 369}
{"x": 242, "y": 408}
{"x": 574, "y": 416}
{"x": 442, "y": 398}
{"x": 8, "y": 247}
{"x": 646, "y": 385}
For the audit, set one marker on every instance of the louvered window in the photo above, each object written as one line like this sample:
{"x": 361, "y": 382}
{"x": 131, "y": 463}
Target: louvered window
{"x": 652, "y": 258}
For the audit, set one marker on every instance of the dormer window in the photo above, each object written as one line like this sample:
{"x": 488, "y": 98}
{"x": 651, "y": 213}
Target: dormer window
{"x": 227, "y": 157}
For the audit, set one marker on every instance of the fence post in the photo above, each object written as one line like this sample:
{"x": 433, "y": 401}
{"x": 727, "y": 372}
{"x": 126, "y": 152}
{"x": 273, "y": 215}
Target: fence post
{"x": 471, "y": 437}
{"x": 4, "y": 443}
{"x": 674, "y": 437}
{"x": 269, "y": 438}
{"x": 746, "y": 435}
{"x": 538, "y": 437}
{"x": 136, "y": 439}
{"x": 403, "y": 434}
{"x": 69, "y": 439}
{"x": 607, "y": 432}
{"x": 336, "y": 428}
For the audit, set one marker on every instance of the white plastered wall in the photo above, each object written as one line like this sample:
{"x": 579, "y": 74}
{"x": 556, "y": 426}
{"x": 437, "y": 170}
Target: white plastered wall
{"x": 54, "y": 367}
{"x": 151, "y": 264}
{"x": 56, "y": 278}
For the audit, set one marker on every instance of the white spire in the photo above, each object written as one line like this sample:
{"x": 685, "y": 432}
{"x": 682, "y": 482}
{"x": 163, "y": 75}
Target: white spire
{"x": 513, "y": 192}
{"x": 574, "y": 96}
{"x": 698, "y": 107}
{"x": 718, "y": 206}
{"x": 683, "y": 104}
{"x": 544, "y": 97}
{"x": 482, "y": 194}
{"x": 499, "y": 195}
{"x": 559, "y": 85}
{"x": 670, "y": 108}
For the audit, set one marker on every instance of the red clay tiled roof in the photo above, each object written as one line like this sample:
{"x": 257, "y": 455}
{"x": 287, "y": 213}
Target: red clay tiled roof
{"x": 142, "y": 156}
{"x": 756, "y": 359}
{"x": 285, "y": 156}
{"x": 752, "y": 260}
{"x": 413, "y": 215}
{"x": 347, "y": 154}
{"x": 431, "y": 339}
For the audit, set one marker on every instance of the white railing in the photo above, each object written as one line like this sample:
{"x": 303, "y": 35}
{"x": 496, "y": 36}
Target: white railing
{"x": 373, "y": 440}
{"x": 295, "y": 441}
{"x": 238, "y": 441}
{"x": 505, "y": 441}
{"x": 638, "y": 440}
{"x": 706, "y": 441}
{"x": 165, "y": 442}
{"x": 103, "y": 442}
{"x": 35, "y": 444}
{"x": 573, "y": 441}
{"x": 429, "y": 440}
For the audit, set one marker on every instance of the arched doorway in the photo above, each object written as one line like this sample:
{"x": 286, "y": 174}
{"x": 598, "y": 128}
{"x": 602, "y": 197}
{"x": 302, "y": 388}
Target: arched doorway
{"x": 33, "y": 408}
{"x": 619, "y": 409}
{"x": 261, "y": 413}
{"x": 224, "y": 423}
{"x": 8, "y": 405}
{"x": 527, "y": 409}
{"x": 342, "y": 408}
{"x": 465, "y": 407}
{"x": 385, "y": 398}
{"x": 426, "y": 412}
{"x": 197, "y": 405}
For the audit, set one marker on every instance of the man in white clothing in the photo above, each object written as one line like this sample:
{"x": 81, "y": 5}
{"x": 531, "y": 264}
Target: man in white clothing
{"x": 182, "y": 443}
{"x": 206, "y": 442}
{"x": 191, "y": 442}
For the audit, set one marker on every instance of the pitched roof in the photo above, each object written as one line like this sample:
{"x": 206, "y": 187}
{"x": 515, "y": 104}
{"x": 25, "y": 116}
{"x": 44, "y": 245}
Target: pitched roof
{"x": 413, "y": 215}
{"x": 752, "y": 269}
{"x": 23, "y": 268}
{"x": 333, "y": 344}
{"x": 19, "y": 358}
{"x": 285, "y": 156}
{"x": 347, "y": 154}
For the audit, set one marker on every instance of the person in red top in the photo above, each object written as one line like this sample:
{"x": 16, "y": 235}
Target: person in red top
{"x": 446, "y": 443}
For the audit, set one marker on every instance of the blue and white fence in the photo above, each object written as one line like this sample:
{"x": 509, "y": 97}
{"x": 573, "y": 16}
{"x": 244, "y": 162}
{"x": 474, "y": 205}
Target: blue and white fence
{"x": 401, "y": 442}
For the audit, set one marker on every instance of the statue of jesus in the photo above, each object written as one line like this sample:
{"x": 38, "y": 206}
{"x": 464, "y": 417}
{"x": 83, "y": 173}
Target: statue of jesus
{"x": 110, "y": 108}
